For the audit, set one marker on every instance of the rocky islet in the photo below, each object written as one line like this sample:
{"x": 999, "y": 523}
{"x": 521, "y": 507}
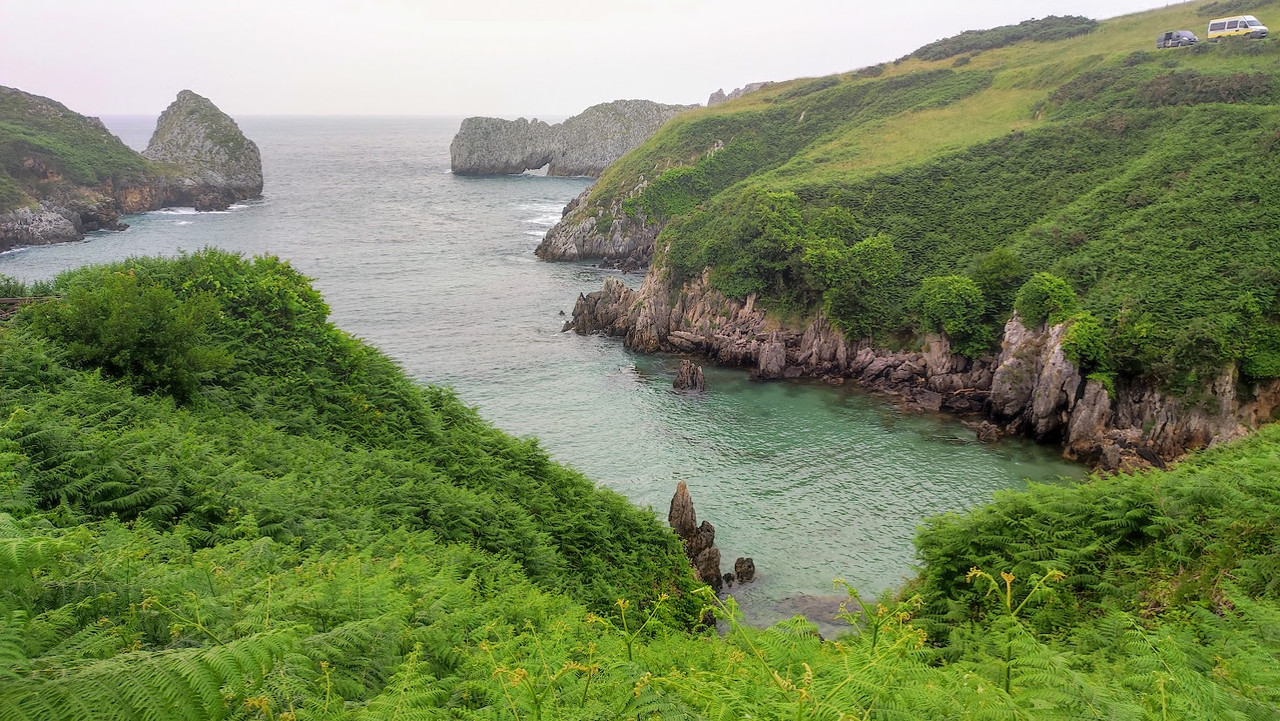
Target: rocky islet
{"x": 67, "y": 175}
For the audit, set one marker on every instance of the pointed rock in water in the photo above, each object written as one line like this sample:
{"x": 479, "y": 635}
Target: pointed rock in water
{"x": 699, "y": 541}
{"x": 745, "y": 570}
{"x": 690, "y": 377}
{"x": 214, "y": 163}
{"x": 681, "y": 516}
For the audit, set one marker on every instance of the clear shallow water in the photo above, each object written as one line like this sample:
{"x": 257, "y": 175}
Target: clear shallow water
{"x": 814, "y": 482}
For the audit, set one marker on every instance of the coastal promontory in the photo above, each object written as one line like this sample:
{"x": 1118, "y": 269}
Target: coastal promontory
{"x": 63, "y": 174}
{"x": 583, "y": 145}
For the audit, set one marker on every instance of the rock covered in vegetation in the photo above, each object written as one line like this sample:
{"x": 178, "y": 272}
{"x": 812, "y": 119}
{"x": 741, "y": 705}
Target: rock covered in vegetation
{"x": 1030, "y": 388}
{"x": 699, "y": 540}
{"x": 582, "y": 145}
{"x": 690, "y": 377}
{"x": 610, "y": 235}
{"x": 63, "y": 174}
{"x": 218, "y": 165}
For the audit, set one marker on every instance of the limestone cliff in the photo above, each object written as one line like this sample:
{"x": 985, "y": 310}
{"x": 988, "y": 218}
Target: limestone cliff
{"x": 1029, "y": 388}
{"x": 582, "y": 145}
{"x": 217, "y": 165}
{"x": 63, "y": 174}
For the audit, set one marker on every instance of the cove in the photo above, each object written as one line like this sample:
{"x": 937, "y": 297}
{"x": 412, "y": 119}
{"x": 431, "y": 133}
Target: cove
{"x": 814, "y": 482}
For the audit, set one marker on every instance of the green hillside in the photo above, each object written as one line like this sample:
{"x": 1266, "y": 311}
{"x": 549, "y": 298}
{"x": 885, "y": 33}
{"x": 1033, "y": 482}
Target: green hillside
{"x": 46, "y": 149}
{"x": 1144, "y": 179}
{"x": 215, "y": 505}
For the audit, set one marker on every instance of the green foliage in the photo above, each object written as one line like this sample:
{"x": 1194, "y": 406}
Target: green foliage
{"x": 604, "y": 223}
{"x": 1043, "y": 30}
{"x": 1225, "y": 8}
{"x": 134, "y": 330}
{"x": 1045, "y": 298}
{"x": 855, "y": 278}
{"x": 954, "y": 305}
{"x": 264, "y": 553}
{"x": 1086, "y": 345}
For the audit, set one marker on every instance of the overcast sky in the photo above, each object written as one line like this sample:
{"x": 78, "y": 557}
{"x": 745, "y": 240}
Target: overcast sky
{"x": 473, "y": 57}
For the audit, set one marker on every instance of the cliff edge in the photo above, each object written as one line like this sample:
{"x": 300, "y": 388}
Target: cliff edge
{"x": 583, "y": 145}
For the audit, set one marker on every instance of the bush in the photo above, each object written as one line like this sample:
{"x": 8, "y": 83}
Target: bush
{"x": 139, "y": 331}
{"x": 1045, "y": 299}
{"x": 953, "y": 304}
{"x": 1085, "y": 344}
{"x": 1044, "y": 30}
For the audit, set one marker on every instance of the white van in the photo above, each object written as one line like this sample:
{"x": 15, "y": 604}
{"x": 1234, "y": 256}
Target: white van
{"x": 1240, "y": 26}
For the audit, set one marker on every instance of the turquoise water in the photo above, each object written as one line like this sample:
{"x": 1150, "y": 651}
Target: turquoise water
{"x": 813, "y": 481}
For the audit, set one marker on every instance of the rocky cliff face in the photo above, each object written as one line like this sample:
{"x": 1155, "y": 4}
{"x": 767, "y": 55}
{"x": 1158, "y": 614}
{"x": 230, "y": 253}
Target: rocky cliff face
{"x": 217, "y": 165}
{"x": 607, "y": 234}
{"x": 582, "y": 145}
{"x": 63, "y": 174}
{"x": 1029, "y": 388}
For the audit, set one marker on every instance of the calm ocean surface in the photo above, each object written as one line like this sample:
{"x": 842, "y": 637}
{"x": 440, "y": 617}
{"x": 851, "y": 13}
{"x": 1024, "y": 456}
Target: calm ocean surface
{"x": 814, "y": 482}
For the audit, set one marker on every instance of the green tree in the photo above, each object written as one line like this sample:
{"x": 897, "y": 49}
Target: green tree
{"x": 1045, "y": 298}
{"x": 954, "y": 305}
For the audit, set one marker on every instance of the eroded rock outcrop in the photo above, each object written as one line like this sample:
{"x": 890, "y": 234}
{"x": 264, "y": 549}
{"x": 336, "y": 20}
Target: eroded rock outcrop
{"x": 80, "y": 178}
{"x": 1030, "y": 388}
{"x": 216, "y": 164}
{"x": 690, "y": 377}
{"x": 585, "y": 144}
{"x": 699, "y": 540}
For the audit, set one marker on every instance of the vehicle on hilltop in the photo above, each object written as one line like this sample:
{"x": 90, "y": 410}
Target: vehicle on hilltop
{"x": 1176, "y": 39}
{"x": 1239, "y": 26}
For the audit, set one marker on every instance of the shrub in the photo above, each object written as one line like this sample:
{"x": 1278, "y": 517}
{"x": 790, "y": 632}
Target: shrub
{"x": 139, "y": 331}
{"x": 1045, "y": 299}
{"x": 1044, "y": 30}
{"x": 953, "y": 304}
{"x": 1085, "y": 344}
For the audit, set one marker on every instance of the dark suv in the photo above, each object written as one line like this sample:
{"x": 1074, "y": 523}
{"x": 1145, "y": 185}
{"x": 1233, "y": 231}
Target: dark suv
{"x": 1176, "y": 39}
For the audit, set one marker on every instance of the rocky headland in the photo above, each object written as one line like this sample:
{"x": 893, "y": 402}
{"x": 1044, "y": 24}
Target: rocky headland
{"x": 63, "y": 174}
{"x": 583, "y": 145}
{"x": 1028, "y": 389}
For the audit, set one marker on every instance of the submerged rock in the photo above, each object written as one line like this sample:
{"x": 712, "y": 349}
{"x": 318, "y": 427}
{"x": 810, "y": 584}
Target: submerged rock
{"x": 215, "y": 164}
{"x": 690, "y": 377}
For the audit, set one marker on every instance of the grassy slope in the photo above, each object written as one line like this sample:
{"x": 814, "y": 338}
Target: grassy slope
{"x": 70, "y": 145}
{"x": 1133, "y": 174}
{"x": 309, "y": 535}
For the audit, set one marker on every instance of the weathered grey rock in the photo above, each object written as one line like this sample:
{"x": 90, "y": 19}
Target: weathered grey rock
{"x": 716, "y": 98}
{"x": 745, "y": 570}
{"x": 690, "y": 377}
{"x": 585, "y": 144}
{"x": 681, "y": 516}
{"x": 215, "y": 163}
{"x": 699, "y": 540}
{"x": 707, "y": 564}
{"x": 1030, "y": 389}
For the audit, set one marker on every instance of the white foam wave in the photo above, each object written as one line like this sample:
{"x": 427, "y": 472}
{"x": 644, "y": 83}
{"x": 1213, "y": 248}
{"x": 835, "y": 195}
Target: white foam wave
{"x": 545, "y": 219}
{"x": 177, "y": 211}
{"x": 182, "y": 222}
{"x": 535, "y": 233}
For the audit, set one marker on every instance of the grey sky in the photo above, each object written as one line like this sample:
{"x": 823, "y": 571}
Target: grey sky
{"x": 490, "y": 57}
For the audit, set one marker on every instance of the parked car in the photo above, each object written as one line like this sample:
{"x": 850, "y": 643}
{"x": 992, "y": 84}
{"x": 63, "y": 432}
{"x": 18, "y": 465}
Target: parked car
{"x": 1176, "y": 39}
{"x": 1242, "y": 26}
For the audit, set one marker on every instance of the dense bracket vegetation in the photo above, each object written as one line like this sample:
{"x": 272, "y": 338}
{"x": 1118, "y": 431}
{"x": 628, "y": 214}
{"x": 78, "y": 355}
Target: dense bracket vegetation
{"x": 1146, "y": 182}
{"x": 214, "y": 504}
{"x": 975, "y": 41}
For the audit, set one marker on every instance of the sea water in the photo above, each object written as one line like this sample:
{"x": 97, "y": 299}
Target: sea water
{"x": 814, "y": 482}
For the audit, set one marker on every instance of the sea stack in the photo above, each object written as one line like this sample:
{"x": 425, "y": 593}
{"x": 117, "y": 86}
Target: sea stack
{"x": 214, "y": 163}
{"x": 690, "y": 377}
{"x": 699, "y": 540}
